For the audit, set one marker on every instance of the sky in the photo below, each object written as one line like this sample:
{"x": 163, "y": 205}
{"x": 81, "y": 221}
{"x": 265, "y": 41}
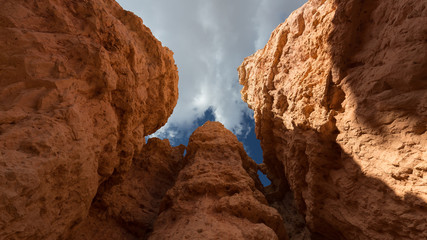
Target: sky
{"x": 210, "y": 39}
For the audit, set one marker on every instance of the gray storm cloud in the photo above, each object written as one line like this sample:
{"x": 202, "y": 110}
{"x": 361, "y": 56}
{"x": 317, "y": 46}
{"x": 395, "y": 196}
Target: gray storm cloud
{"x": 210, "y": 38}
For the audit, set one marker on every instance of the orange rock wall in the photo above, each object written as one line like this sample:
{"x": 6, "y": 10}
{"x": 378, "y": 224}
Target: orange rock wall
{"x": 339, "y": 94}
{"x": 81, "y": 84}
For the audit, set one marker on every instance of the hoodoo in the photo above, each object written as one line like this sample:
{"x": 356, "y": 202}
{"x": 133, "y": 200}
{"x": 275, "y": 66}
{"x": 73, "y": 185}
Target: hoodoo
{"x": 217, "y": 194}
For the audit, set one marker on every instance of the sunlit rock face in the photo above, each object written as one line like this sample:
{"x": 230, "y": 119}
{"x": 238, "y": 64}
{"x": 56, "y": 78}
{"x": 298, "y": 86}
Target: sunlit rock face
{"x": 217, "y": 193}
{"x": 340, "y": 100}
{"x": 81, "y": 84}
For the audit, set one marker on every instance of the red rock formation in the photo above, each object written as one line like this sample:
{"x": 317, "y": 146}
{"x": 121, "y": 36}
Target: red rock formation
{"x": 216, "y": 194}
{"x": 126, "y": 206}
{"x": 340, "y": 101}
{"x": 81, "y": 84}
{"x": 339, "y": 94}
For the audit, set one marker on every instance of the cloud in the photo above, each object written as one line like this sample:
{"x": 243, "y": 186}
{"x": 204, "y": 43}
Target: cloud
{"x": 210, "y": 39}
{"x": 168, "y": 133}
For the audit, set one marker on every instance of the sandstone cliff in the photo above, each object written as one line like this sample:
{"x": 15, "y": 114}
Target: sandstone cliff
{"x": 339, "y": 94}
{"x": 81, "y": 84}
{"x": 216, "y": 195}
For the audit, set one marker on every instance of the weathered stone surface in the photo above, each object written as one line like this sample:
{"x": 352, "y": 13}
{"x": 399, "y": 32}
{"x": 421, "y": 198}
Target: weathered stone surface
{"x": 130, "y": 203}
{"x": 339, "y": 94}
{"x": 340, "y": 101}
{"x": 81, "y": 84}
{"x": 216, "y": 194}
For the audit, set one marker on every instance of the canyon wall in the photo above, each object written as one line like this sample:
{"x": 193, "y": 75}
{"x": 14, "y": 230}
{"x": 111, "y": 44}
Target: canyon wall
{"x": 340, "y": 100}
{"x": 81, "y": 84}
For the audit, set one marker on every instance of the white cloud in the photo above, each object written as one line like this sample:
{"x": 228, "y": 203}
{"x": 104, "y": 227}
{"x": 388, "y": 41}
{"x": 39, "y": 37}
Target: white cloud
{"x": 210, "y": 39}
{"x": 168, "y": 133}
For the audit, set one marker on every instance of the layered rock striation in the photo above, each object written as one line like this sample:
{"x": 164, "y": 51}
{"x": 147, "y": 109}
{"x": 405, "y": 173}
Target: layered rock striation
{"x": 339, "y": 94}
{"x": 81, "y": 84}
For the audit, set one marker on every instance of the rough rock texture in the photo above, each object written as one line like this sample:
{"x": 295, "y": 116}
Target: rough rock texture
{"x": 81, "y": 84}
{"x": 340, "y": 100}
{"x": 216, "y": 194}
{"x": 126, "y": 206}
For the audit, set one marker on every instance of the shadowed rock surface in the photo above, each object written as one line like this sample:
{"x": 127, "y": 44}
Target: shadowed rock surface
{"x": 339, "y": 94}
{"x": 81, "y": 84}
{"x": 127, "y": 205}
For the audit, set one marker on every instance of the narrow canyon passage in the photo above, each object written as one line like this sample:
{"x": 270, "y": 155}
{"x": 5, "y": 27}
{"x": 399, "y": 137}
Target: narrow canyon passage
{"x": 338, "y": 100}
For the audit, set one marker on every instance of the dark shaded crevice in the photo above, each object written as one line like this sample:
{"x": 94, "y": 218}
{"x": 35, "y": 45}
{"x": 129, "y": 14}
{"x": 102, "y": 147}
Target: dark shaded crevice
{"x": 142, "y": 188}
{"x": 278, "y": 194}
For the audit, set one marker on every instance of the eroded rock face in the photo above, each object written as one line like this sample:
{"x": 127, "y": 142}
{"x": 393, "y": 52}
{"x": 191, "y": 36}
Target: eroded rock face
{"x": 81, "y": 84}
{"x": 216, "y": 194}
{"x": 127, "y": 205}
{"x": 339, "y": 94}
